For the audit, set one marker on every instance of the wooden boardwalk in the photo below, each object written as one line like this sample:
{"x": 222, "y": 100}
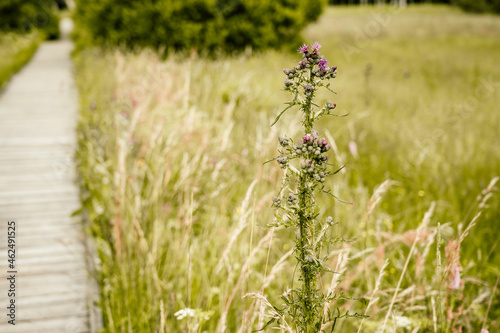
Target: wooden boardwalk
{"x": 38, "y": 116}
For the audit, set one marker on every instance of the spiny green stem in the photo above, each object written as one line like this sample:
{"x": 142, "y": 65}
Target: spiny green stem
{"x": 306, "y": 305}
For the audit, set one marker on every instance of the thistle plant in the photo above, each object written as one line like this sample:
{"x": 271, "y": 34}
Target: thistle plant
{"x": 304, "y": 179}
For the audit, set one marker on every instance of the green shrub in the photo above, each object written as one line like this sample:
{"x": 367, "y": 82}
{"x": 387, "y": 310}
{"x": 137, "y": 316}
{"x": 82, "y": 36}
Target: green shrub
{"x": 23, "y": 16}
{"x": 209, "y": 25}
{"x": 480, "y": 6}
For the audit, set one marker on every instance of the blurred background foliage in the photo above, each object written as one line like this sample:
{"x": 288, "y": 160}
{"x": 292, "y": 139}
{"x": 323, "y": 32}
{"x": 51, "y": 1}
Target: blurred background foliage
{"x": 206, "y": 25}
{"x": 24, "y": 16}
{"x": 476, "y": 6}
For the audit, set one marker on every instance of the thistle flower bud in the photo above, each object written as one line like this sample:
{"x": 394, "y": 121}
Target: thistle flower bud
{"x": 283, "y": 141}
{"x": 329, "y": 220}
{"x": 276, "y": 201}
{"x": 288, "y": 84}
{"x": 282, "y": 161}
{"x": 330, "y": 106}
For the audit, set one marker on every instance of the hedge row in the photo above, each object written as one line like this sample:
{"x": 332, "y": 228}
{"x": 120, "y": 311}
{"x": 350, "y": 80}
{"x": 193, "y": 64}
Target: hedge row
{"x": 22, "y": 16}
{"x": 480, "y": 6}
{"x": 228, "y": 25}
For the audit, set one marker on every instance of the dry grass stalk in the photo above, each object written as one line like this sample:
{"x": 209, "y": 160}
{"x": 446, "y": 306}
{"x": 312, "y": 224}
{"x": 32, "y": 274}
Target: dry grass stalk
{"x": 425, "y": 222}
{"x": 266, "y": 238}
{"x": 377, "y": 286}
{"x": 241, "y": 225}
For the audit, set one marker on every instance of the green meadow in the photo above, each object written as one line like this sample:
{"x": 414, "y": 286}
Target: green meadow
{"x": 177, "y": 196}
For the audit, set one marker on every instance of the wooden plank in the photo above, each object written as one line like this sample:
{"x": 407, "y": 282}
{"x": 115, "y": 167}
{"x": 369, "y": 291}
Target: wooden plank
{"x": 28, "y": 283}
{"x": 14, "y": 208}
{"x": 23, "y": 261}
{"x": 57, "y": 268}
{"x": 19, "y": 195}
{"x": 73, "y": 324}
{"x": 44, "y": 184}
{"x": 42, "y": 229}
{"x": 42, "y": 216}
{"x": 28, "y": 176}
{"x": 53, "y": 251}
{"x": 74, "y": 296}
{"x": 47, "y": 222}
{"x": 35, "y": 158}
{"x": 76, "y": 308}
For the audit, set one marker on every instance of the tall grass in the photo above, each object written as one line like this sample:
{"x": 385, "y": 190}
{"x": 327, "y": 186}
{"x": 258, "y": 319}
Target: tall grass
{"x": 15, "y": 51}
{"x": 170, "y": 162}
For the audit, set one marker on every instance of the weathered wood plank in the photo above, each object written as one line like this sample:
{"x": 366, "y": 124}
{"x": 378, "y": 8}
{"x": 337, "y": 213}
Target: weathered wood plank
{"x": 68, "y": 324}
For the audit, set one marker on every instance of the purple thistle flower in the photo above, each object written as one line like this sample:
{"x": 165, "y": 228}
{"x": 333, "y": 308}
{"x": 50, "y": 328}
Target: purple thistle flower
{"x": 304, "y": 49}
{"x": 322, "y": 64}
{"x": 315, "y": 47}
